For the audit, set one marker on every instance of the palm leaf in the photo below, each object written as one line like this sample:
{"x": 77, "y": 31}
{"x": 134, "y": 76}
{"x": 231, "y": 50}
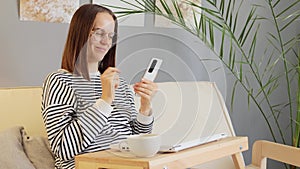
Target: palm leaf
{"x": 247, "y": 29}
{"x": 211, "y": 34}
{"x": 287, "y": 9}
{"x": 251, "y": 53}
{"x": 276, "y": 3}
{"x": 238, "y": 50}
{"x": 221, "y": 52}
{"x": 179, "y": 13}
{"x": 290, "y": 22}
{"x": 233, "y": 95}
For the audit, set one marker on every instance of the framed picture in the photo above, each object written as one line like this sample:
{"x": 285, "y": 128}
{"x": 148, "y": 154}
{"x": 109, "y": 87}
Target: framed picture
{"x": 186, "y": 9}
{"x": 130, "y": 20}
{"x": 58, "y": 11}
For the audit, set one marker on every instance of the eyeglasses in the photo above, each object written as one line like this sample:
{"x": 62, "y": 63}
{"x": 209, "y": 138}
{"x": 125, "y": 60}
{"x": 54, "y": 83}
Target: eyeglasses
{"x": 99, "y": 34}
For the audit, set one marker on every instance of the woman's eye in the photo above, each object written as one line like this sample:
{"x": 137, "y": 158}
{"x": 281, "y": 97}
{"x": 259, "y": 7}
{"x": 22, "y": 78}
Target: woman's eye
{"x": 100, "y": 34}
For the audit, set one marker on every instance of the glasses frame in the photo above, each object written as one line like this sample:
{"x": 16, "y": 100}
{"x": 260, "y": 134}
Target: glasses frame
{"x": 99, "y": 34}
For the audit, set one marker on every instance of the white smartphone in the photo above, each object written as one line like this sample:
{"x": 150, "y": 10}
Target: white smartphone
{"x": 152, "y": 69}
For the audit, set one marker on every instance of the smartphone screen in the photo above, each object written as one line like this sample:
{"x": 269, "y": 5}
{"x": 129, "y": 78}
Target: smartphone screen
{"x": 152, "y": 69}
{"x": 152, "y": 66}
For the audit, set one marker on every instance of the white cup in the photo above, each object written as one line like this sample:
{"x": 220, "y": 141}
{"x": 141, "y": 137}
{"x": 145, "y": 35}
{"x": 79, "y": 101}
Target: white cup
{"x": 143, "y": 145}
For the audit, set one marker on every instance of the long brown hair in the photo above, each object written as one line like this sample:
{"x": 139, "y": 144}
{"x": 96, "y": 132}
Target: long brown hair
{"x": 74, "y": 57}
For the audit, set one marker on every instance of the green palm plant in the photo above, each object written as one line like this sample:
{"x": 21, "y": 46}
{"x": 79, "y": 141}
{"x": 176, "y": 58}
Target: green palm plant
{"x": 237, "y": 47}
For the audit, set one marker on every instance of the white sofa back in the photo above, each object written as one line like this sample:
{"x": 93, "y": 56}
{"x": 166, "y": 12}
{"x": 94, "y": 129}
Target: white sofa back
{"x": 22, "y": 107}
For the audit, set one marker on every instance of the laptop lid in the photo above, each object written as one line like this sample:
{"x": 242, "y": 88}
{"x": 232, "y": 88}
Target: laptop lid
{"x": 189, "y": 113}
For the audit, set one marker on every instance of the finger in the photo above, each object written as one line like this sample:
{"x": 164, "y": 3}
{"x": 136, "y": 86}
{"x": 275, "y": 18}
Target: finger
{"x": 148, "y": 86}
{"x": 143, "y": 94}
{"x": 116, "y": 83}
{"x": 150, "y": 83}
{"x": 146, "y": 81}
{"x": 144, "y": 91}
{"x": 113, "y": 69}
{"x": 111, "y": 73}
{"x": 152, "y": 87}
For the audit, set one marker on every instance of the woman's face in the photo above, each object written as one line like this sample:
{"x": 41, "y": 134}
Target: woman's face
{"x": 100, "y": 40}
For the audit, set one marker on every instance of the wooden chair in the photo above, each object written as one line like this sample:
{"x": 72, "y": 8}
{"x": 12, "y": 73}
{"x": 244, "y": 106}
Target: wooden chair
{"x": 265, "y": 149}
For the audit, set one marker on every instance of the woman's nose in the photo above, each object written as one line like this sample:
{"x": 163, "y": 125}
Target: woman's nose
{"x": 104, "y": 40}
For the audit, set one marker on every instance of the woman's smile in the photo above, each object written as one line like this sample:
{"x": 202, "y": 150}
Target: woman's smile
{"x": 100, "y": 49}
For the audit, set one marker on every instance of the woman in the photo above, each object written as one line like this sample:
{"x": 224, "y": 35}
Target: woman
{"x": 86, "y": 106}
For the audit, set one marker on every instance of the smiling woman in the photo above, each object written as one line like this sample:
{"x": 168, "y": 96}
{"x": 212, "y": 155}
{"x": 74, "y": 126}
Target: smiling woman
{"x": 86, "y": 106}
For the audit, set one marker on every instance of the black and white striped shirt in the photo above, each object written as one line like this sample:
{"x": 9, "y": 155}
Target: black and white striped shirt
{"x": 78, "y": 121}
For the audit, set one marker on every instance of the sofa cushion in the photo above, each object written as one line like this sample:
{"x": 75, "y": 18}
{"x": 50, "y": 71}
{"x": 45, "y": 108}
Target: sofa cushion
{"x": 12, "y": 155}
{"x": 38, "y": 151}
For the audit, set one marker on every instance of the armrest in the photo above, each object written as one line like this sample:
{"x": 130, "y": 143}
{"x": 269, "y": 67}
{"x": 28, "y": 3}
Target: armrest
{"x": 283, "y": 153}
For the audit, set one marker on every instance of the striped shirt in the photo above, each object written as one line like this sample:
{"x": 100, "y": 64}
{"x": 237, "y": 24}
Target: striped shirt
{"x": 78, "y": 121}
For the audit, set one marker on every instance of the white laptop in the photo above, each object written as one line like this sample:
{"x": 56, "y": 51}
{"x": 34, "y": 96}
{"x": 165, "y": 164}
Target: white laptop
{"x": 171, "y": 148}
{"x": 191, "y": 143}
{"x": 188, "y": 114}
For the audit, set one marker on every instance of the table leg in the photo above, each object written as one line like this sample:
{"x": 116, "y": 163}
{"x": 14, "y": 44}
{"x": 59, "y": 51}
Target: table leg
{"x": 238, "y": 161}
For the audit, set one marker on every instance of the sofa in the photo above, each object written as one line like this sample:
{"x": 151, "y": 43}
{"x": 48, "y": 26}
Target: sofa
{"x": 23, "y": 142}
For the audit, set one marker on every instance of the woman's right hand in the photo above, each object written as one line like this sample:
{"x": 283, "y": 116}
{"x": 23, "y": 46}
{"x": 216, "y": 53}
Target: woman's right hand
{"x": 110, "y": 82}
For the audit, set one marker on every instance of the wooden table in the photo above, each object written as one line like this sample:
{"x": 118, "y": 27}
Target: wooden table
{"x": 111, "y": 159}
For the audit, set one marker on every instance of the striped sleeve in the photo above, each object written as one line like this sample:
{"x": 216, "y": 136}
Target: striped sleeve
{"x": 68, "y": 133}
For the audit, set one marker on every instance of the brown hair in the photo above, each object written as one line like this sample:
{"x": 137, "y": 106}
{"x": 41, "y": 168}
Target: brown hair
{"x": 74, "y": 57}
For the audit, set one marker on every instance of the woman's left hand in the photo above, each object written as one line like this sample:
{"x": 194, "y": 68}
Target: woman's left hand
{"x": 146, "y": 89}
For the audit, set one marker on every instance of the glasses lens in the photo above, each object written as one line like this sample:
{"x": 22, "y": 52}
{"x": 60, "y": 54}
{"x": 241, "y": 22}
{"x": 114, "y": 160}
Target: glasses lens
{"x": 100, "y": 34}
